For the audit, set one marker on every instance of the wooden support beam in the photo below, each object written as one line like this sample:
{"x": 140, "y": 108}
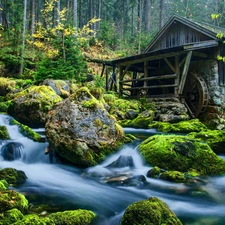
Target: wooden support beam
{"x": 107, "y": 80}
{"x": 120, "y": 79}
{"x": 103, "y": 69}
{"x": 177, "y": 79}
{"x": 184, "y": 73}
{"x": 170, "y": 65}
{"x": 149, "y": 58}
{"x": 145, "y": 73}
{"x": 161, "y": 77}
{"x": 126, "y": 69}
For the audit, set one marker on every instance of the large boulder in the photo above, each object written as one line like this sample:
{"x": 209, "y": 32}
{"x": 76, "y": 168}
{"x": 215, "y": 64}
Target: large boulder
{"x": 75, "y": 217}
{"x": 152, "y": 211}
{"x": 31, "y": 105}
{"x": 13, "y": 176}
{"x": 214, "y": 138}
{"x": 80, "y": 129}
{"x": 180, "y": 153}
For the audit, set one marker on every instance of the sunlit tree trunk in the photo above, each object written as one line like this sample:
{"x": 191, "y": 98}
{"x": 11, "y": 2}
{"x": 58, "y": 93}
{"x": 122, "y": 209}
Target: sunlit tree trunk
{"x": 75, "y": 14}
{"x": 32, "y": 24}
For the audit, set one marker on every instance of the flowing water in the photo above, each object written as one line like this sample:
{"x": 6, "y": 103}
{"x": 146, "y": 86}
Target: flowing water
{"x": 110, "y": 187}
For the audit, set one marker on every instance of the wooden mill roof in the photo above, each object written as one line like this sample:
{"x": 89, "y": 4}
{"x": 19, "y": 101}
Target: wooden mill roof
{"x": 178, "y": 34}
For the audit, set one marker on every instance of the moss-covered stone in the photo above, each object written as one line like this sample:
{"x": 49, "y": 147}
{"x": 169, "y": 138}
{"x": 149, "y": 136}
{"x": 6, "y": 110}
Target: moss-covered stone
{"x": 154, "y": 172}
{"x": 10, "y": 216}
{"x": 188, "y": 126}
{"x": 214, "y": 138}
{"x": 174, "y": 176}
{"x": 73, "y": 217}
{"x": 11, "y": 199}
{"x": 27, "y": 131}
{"x": 152, "y": 211}
{"x": 4, "y": 106}
{"x": 31, "y": 105}
{"x": 4, "y": 134}
{"x": 33, "y": 219}
{"x": 13, "y": 176}
{"x": 6, "y": 85}
{"x": 180, "y": 153}
{"x": 3, "y": 187}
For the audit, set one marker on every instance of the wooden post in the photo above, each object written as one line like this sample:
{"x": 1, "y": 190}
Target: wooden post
{"x": 177, "y": 69}
{"x": 146, "y": 74}
{"x": 107, "y": 80}
{"x": 184, "y": 73}
{"x": 120, "y": 79}
{"x": 103, "y": 69}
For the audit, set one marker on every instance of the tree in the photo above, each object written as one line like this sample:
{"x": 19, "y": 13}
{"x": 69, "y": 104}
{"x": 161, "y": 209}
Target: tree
{"x": 23, "y": 36}
{"x": 147, "y": 15}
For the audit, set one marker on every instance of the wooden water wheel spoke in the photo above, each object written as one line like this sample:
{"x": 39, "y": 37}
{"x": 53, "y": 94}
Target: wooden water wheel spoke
{"x": 196, "y": 94}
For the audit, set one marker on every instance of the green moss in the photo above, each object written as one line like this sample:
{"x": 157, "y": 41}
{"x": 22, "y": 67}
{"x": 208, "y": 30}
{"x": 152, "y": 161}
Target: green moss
{"x": 98, "y": 123}
{"x": 182, "y": 127}
{"x": 12, "y": 176}
{"x": 91, "y": 104}
{"x": 34, "y": 220}
{"x": 180, "y": 153}
{"x": 73, "y": 217}
{"x": 174, "y": 176}
{"x": 214, "y": 138}
{"x": 143, "y": 119}
{"x": 10, "y": 217}
{"x": 27, "y": 131}
{"x": 152, "y": 211}
{"x": 11, "y": 199}
{"x": 4, "y": 134}
{"x": 154, "y": 172}
{"x": 2, "y": 186}
{"x": 129, "y": 138}
{"x": 4, "y": 106}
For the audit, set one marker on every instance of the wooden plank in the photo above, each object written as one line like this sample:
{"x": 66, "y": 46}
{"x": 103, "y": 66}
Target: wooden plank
{"x": 171, "y": 76}
{"x": 151, "y": 87}
{"x": 200, "y": 45}
{"x": 184, "y": 73}
{"x": 170, "y": 65}
{"x": 107, "y": 80}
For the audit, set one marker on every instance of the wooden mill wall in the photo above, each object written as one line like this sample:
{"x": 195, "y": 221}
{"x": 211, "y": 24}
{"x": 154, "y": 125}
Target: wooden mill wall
{"x": 178, "y": 35}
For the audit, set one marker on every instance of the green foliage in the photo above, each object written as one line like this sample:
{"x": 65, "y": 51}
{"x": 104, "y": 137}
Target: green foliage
{"x": 59, "y": 68}
{"x": 108, "y": 34}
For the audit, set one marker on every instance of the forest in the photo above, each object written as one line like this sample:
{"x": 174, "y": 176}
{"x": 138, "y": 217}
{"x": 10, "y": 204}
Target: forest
{"x": 47, "y": 38}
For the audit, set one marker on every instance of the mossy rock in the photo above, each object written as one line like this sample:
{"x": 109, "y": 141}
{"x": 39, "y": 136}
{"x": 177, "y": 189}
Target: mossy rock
{"x": 4, "y": 106}
{"x": 174, "y": 176}
{"x": 73, "y": 217}
{"x": 141, "y": 121}
{"x": 27, "y": 131}
{"x": 4, "y": 134}
{"x": 182, "y": 127}
{"x": 152, "y": 211}
{"x": 33, "y": 219}
{"x": 214, "y": 138}
{"x": 13, "y": 176}
{"x": 6, "y": 85}
{"x": 10, "y": 216}
{"x": 154, "y": 172}
{"x": 180, "y": 153}
{"x": 31, "y": 105}
{"x": 11, "y": 199}
{"x": 3, "y": 185}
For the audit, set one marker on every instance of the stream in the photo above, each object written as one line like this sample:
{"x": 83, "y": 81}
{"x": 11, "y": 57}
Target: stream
{"x": 108, "y": 190}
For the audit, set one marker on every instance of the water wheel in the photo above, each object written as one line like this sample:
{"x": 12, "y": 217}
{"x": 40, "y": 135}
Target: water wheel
{"x": 196, "y": 94}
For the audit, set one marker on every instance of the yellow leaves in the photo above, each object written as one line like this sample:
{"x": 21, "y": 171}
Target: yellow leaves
{"x": 215, "y": 16}
{"x": 221, "y": 58}
{"x": 220, "y": 35}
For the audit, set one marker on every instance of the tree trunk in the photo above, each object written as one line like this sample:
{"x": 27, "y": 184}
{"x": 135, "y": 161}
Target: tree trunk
{"x": 139, "y": 24}
{"x": 75, "y": 15}
{"x": 147, "y": 15}
{"x": 58, "y": 11}
{"x": 161, "y": 13}
{"x": 23, "y": 36}
{"x": 32, "y": 26}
